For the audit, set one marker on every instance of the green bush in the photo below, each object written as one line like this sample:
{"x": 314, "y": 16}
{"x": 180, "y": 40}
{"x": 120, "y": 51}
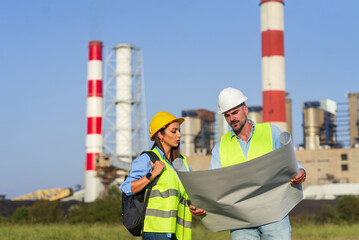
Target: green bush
{"x": 44, "y": 211}
{"x": 105, "y": 210}
{"x": 327, "y": 214}
{"x": 21, "y": 215}
{"x": 114, "y": 191}
{"x": 348, "y": 208}
{"x": 78, "y": 213}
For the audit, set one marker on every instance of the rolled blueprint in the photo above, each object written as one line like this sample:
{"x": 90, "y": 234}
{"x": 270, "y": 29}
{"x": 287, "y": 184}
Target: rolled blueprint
{"x": 249, "y": 194}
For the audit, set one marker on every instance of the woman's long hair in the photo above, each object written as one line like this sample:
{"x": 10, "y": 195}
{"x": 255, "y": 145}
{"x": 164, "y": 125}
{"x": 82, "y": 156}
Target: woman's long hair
{"x": 175, "y": 151}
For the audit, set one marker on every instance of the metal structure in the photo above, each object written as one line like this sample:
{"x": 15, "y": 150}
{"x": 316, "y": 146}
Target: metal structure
{"x": 48, "y": 194}
{"x": 94, "y": 137}
{"x": 342, "y": 121}
{"x": 273, "y": 68}
{"x": 348, "y": 121}
{"x": 125, "y": 126}
{"x": 105, "y": 171}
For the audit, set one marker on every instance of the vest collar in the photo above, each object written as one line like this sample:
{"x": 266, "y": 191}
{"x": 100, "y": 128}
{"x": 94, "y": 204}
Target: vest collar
{"x": 161, "y": 153}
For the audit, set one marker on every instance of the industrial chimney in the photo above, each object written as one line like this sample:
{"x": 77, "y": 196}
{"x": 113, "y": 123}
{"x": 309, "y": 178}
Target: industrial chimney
{"x": 273, "y": 70}
{"x": 124, "y": 102}
{"x": 94, "y": 137}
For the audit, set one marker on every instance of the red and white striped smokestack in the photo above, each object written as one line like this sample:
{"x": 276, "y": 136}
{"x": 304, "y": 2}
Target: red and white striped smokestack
{"x": 273, "y": 67}
{"x": 94, "y": 137}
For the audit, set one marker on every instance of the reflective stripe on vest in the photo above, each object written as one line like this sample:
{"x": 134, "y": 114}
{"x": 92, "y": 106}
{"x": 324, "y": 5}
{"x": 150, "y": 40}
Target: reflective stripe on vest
{"x": 168, "y": 205}
{"x": 230, "y": 150}
{"x": 184, "y": 219}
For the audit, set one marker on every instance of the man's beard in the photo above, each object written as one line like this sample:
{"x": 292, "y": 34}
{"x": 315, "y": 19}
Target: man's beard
{"x": 238, "y": 131}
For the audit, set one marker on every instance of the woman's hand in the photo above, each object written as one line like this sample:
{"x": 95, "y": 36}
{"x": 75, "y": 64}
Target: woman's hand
{"x": 139, "y": 184}
{"x": 157, "y": 168}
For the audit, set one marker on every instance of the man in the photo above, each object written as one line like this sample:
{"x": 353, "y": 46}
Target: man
{"x": 252, "y": 140}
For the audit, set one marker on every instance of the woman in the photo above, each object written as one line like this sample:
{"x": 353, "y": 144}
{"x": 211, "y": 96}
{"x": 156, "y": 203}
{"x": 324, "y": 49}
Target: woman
{"x": 168, "y": 215}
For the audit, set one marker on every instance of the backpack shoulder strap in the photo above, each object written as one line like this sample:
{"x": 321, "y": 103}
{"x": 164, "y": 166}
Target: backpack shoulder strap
{"x": 153, "y": 156}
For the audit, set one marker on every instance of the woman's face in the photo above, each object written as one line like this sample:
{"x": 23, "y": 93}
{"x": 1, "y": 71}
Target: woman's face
{"x": 172, "y": 135}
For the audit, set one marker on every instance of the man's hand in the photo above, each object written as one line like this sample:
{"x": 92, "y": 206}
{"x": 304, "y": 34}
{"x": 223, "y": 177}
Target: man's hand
{"x": 196, "y": 211}
{"x": 300, "y": 178}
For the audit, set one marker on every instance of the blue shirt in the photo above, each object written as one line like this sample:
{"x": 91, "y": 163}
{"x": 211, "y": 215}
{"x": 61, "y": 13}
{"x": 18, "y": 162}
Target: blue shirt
{"x": 140, "y": 167}
{"x": 216, "y": 160}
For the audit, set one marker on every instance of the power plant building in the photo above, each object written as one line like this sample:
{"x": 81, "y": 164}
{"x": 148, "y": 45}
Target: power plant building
{"x": 197, "y": 132}
{"x": 353, "y": 119}
{"x": 322, "y": 155}
{"x": 319, "y": 124}
{"x": 255, "y": 113}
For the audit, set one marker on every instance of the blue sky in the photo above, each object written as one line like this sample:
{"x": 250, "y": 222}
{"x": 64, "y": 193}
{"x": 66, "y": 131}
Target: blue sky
{"x": 191, "y": 51}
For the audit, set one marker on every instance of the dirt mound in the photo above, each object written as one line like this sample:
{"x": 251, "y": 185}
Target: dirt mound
{"x": 310, "y": 207}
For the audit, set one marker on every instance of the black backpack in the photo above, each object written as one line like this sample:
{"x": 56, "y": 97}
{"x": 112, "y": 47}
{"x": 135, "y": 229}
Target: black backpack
{"x": 134, "y": 206}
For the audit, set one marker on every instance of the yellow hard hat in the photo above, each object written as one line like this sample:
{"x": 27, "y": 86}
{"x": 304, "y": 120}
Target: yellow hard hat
{"x": 160, "y": 120}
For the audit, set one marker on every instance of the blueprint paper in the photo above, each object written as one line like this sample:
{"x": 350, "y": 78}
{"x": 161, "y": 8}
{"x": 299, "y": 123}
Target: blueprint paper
{"x": 249, "y": 194}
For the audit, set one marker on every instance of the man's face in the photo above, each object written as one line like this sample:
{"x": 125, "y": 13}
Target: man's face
{"x": 236, "y": 118}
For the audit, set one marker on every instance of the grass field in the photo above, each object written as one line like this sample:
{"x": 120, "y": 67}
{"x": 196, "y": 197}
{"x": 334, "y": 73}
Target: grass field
{"x": 118, "y": 232}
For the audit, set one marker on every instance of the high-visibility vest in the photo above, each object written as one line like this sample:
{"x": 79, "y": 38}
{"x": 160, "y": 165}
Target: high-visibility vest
{"x": 230, "y": 150}
{"x": 168, "y": 206}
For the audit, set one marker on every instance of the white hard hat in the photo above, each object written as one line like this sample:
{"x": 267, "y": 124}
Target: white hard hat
{"x": 230, "y": 98}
